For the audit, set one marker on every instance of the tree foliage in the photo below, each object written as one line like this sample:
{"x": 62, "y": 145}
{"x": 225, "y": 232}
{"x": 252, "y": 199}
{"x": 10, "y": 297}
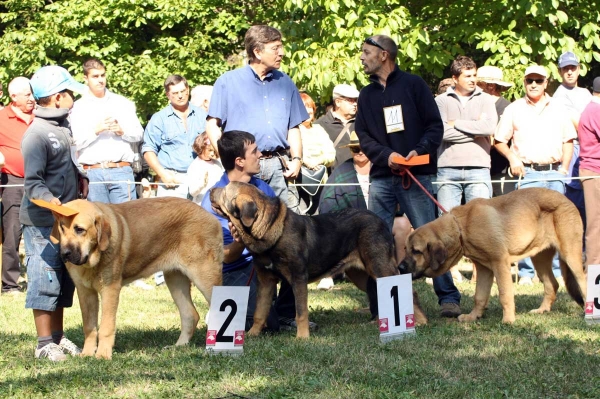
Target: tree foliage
{"x": 142, "y": 41}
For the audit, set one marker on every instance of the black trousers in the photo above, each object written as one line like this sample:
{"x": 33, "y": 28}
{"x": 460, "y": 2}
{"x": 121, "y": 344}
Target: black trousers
{"x": 11, "y": 231}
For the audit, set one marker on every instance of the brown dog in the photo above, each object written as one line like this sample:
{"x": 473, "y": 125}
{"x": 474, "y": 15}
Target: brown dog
{"x": 495, "y": 232}
{"x": 106, "y": 246}
{"x": 302, "y": 249}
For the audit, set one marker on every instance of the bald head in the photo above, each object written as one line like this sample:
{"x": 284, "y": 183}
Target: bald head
{"x": 18, "y": 84}
{"x": 19, "y": 90}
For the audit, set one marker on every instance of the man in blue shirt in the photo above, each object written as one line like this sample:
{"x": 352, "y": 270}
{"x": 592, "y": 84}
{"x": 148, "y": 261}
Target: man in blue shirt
{"x": 241, "y": 159}
{"x": 260, "y": 99}
{"x": 168, "y": 140}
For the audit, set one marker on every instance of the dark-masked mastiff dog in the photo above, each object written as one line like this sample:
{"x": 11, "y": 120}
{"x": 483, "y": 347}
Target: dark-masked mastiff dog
{"x": 494, "y": 233}
{"x": 106, "y": 246}
{"x": 303, "y": 249}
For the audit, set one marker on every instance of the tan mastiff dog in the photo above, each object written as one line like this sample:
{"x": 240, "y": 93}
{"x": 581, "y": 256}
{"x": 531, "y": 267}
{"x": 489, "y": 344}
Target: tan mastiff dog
{"x": 302, "y": 249}
{"x": 534, "y": 222}
{"x": 106, "y": 246}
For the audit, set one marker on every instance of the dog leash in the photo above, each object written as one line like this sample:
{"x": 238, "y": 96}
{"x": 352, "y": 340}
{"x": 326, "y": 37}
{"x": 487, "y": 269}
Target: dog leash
{"x": 403, "y": 172}
{"x": 250, "y": 278}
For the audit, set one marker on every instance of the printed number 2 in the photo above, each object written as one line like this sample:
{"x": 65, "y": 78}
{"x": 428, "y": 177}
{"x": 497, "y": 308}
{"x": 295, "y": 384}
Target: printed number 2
{"x": 394, "y": 295}
{"x": 220, "y": 335}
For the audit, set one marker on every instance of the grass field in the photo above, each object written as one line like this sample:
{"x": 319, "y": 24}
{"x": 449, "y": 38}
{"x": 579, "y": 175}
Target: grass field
{"x": 541, "y": 356}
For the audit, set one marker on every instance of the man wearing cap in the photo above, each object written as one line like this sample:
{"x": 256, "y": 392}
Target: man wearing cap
{"x": 470, "y": 118}
{"x": 104, "y": 124}
{"x": 574, "y": 99}
{"x": 51, "y": 174}
{"x": 491, "y": 81}
{"x": 398, "y": 118}
{"x": 14, "y": 121}
{"x": 589, "y": 166}
{"x": 542, "y": 135}
{"x": 339, "y": 121}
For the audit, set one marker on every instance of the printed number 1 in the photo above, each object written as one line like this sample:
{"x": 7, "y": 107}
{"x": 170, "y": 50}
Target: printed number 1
{"x": 394, "y": 295}
{"x": 220, "y": 335}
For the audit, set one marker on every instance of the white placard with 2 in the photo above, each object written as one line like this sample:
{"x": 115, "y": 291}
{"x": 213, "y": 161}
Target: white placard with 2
{"x": 227, "y": 319}
{"x": 592, "y": 303}
{"x": 396, "y": 309}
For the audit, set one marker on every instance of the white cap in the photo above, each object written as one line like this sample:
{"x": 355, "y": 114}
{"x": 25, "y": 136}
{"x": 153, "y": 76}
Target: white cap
{"x": 345, "y": 90}
{"x": 536, "y": 69}
{"x": 492, "y": 74}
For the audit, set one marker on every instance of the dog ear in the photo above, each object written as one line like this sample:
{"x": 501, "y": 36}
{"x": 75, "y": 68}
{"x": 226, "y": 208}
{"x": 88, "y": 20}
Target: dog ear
{"x": 104, "y": 232}
{"x": 55, "y": 234}
{"x": 248, "y": 213}
{"x": 437, "y": 255}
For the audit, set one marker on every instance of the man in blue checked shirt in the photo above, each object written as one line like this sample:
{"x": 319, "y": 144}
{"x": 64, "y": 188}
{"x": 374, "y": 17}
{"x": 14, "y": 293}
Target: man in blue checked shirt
{"x": 168, "y": 140}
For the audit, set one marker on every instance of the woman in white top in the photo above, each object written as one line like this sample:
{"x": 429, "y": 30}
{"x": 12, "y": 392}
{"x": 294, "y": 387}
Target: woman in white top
{"x": 204, "y": 171}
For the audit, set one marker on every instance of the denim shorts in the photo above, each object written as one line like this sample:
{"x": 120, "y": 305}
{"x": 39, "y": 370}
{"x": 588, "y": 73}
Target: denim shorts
{"x": 49, "y": 285}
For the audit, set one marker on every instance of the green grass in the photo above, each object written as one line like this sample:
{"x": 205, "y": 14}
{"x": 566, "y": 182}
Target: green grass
{"x": 541, "y": 356}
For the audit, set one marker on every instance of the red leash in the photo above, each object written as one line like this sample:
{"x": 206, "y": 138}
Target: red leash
{"x": 403, "y": 172}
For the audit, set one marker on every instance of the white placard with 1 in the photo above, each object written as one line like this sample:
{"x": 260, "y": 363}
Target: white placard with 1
{"x": 396, "y": 309}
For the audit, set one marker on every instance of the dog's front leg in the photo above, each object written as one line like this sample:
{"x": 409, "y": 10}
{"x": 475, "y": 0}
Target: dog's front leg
{"x": 483, "y": 287}
{"x": 88, "y": 302}
{"x": 267, "y": 283}
{"x": 300, "y": 288}
{"x": 106, "y": 335}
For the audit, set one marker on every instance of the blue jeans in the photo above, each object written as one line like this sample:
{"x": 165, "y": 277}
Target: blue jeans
{"x": 111, "y": 193}
{"x": 386, "y": 193}
{"x": 49, "y": 285}
{"x": 450, "y": 194}
{"x": 531, "y": 179}
{"x": 271, "y": 172}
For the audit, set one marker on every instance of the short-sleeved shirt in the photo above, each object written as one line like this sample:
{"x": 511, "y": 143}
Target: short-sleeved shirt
{"x": 538, "y": 130}
{"x": 589, "y": 137}
{"x": 575, "y": 99}
{"x": 166, "y": 136}
{"x": 266, "y": 108}
{"x": 245, "y": 259}
{"x": 12, "y": 129}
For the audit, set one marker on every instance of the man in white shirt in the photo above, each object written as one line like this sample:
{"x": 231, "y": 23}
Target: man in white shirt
{"x": 104, "y": 124}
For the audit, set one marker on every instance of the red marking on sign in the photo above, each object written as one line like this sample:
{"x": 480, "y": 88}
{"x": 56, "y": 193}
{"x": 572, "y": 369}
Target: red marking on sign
{"x": 211, "y": 337}
{"x": 239, "y": 338}
{"x": 383, "y": 326}
{"x": 410, "y": 321}
{"x": 589, "y": 308}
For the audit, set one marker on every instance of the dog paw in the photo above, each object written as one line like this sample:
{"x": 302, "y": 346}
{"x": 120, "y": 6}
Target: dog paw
{"x": 467, "y": 318}
{"x": 254, "y": 331}
{"x": 539, "y": 311}
{"x": 104, "y": 353}
{"x": 86, "y": 352}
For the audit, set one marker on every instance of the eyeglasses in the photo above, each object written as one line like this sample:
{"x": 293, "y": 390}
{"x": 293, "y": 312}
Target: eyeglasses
{"x": 349, "y": 100}
{"x": 538, "y": 81}
{"x": 372, "y": 42}
{"x": 355, "y": 150}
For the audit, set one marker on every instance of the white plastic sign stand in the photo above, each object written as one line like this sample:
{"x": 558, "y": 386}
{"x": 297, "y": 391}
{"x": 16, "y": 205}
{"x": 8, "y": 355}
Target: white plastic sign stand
{"x": 396, "y": 309}
{"x": 226, "y": 320}
{"x": 592, "y": 303}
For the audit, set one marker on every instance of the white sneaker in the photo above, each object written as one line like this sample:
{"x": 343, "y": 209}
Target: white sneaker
{"x": 142, "y": 285}
{"x": 525, "y": 281}
{"x": 159, "y": 278}
{"x": 325, "y": 284}
{"x": 51, "y": 352}
{"x": 68, "y": 347}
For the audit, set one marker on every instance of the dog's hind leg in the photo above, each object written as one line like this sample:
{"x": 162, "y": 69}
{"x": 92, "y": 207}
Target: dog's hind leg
{"x": 180, "y": 288}
{"x": 267, "y": 283}
{"x": 483, "y": 287}
{"x": 543, "y": 266}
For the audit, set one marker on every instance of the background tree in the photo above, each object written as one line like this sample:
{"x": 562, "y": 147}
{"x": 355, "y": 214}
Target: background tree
{"x": 142, "y": 41}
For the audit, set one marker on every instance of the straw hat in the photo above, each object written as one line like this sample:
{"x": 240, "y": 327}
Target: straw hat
{"x": 353, "y": 141}
{"x": 492, "y": 74}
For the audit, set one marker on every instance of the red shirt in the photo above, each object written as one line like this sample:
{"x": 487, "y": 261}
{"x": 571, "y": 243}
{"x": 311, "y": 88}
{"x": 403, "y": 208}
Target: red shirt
{"x": 12, "y": 129}
{"x": 589, "y": 137}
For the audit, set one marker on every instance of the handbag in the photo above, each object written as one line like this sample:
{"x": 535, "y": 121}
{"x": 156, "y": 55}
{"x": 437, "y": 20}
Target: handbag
{"x": 311, "y": 176}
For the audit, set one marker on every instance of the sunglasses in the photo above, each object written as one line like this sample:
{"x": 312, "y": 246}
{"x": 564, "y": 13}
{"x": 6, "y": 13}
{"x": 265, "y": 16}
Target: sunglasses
{"x": 372, "y": 42}
{"x": 355, "y": 150}
{"x": 538, "y": 81}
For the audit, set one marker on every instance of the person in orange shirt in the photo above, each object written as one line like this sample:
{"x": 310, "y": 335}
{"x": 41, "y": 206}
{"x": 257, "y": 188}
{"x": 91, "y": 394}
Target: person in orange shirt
{"x": 14, "y": 120}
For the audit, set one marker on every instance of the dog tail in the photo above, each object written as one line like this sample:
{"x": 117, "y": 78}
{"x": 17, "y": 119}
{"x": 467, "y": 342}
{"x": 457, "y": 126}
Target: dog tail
{"x": 571, "y": 284}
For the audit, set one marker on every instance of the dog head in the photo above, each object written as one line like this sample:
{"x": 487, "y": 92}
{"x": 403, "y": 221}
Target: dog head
{"x": 237, "y": 202}
{"x": 426, "y": 254}
{"x": 82, "y": 237}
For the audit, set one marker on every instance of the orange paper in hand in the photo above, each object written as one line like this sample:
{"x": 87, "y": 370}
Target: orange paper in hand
{"x": 418, "y": 160}
{"x": 60, "y": 209}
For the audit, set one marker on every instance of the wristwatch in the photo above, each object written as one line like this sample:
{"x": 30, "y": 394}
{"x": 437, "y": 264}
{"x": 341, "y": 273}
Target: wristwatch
{"x": 298, "y": 158}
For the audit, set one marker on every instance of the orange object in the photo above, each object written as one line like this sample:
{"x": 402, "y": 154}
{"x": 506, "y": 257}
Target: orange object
{"x": 418, "y": 160}
{"x": 60, "y": 209}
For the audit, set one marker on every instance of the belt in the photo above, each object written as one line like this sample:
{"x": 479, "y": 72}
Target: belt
{"x": 107, "y": 165}
{"x": 543, "y": 167}
{"x": 275, "y": 153}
